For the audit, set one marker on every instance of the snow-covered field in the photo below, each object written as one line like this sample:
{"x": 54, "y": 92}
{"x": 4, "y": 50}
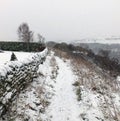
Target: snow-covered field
{"x": 5, "y": 56}
{"x": 102, "y": 40}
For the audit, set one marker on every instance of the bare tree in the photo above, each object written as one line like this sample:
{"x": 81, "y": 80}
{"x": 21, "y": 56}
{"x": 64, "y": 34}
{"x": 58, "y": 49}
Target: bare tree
{"x": 25, "y": 34}
{"x": 41, "y": 39}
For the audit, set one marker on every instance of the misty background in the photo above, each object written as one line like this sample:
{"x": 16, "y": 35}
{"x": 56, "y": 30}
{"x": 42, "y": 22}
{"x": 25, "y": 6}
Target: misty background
{"x": 64, "y": 20}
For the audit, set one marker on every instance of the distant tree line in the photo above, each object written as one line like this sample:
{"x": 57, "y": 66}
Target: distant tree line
{"x": 21, "y": 46}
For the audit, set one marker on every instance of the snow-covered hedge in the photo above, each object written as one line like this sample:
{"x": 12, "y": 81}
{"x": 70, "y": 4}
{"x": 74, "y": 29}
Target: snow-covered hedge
{"x": 15, "y": 75}
{"x": 21, "y": 46}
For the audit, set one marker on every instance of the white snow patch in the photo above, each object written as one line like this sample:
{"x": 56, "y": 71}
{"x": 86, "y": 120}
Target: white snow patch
{"x": 6, "y": 55}
{"x": 89, "y": 106}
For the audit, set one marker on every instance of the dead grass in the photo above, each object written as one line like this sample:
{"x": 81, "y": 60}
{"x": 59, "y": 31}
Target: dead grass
{"x": 92, "y": 77}
{"x": 96, "y": 80}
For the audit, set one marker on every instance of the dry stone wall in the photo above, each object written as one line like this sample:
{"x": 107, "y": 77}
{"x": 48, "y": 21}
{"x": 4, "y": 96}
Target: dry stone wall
{"x": 15, "y": 76}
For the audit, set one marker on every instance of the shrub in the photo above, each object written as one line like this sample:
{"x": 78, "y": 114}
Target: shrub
{"x": 13, "y": 57}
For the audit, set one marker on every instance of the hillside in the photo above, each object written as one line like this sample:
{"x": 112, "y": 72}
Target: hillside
{"x": 68, "y": 88}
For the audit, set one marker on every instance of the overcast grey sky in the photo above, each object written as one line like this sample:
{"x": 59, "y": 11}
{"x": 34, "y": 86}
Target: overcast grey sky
{"x": 61, "y": 19}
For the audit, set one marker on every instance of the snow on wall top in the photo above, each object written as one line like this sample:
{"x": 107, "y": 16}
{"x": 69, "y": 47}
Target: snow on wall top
{"x": 32, "y": 57}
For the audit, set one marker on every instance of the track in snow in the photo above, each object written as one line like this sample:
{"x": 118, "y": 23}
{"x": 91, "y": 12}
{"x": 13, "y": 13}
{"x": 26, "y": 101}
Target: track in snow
{"x": 63, "y": 105}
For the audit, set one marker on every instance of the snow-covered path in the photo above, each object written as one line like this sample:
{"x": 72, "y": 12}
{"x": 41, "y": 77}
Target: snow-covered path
{"x": 63, "y": 105}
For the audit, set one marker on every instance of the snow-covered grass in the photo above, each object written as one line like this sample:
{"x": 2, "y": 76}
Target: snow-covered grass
{"x": 100, "y": 97}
